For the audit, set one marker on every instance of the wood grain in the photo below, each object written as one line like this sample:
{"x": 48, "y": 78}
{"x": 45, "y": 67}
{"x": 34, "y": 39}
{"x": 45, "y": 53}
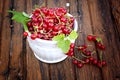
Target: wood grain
{"x": 103, "y": 29}
{"x": 85, "y": 27}
{"x": 16, "y": 58}
{"x": 4, "y": 40}
{"x": 36, "y": 70}
{"x": 98, "y": 17}
{"x": 115, "y": 8}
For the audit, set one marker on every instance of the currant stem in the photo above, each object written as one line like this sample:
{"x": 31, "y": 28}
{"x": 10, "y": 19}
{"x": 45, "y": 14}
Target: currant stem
{"x": 93, "y": 52}
{"x": 57, "y": 17}
{"x": 84, "y": 55}
{"x": 101, "y": 53}
{"x": 78, "y": 59}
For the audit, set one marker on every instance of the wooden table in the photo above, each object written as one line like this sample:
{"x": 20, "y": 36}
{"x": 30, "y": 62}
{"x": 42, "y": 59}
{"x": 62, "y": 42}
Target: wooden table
{"x": 99, "y": 17}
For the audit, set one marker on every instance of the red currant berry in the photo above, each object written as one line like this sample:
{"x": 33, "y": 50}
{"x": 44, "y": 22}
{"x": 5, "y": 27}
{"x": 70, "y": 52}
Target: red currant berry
{"x": 70, "y": 54}
{"x": 94, "y": 38}
{"x": 65, "y": 31}
{"x": 87, "y": 61}
{"x": 88, "y": 53}
{"x": 80, "y": 48}
{"x": 84, "y": 46}
{"x": 99, "y": 45}
{"x": 90, "y": 37}
{"x": 91, "y": 58}
{"x": 56, "y": 28}
{"x": 29, "y": 24}
{"x": 103, "y": 63}
{"x": 72, "y": 45}
{"x": 80, "y": 65}
{"x": 31, "y": 29}
{"x": 75, "y": 61}
{"x": 34, "y": 19}
{"x": 63, "y": 19}
{"x": 95, "y": 61}
{"x": 33, "y": 36}
{"x": 99, "y": 64}
{"x": 25, "y": 34}
{"x": 71, "y": 19}
{"x": 103, "y": 47}
{"x": 40, "y": 19}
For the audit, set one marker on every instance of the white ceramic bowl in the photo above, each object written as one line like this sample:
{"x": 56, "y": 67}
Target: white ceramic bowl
{"x": 47, "y": 51}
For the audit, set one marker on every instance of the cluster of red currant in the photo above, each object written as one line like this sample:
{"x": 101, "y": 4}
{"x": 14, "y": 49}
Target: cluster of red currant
{"x": 87, "y": 54}
{"x": 45, "y": 23}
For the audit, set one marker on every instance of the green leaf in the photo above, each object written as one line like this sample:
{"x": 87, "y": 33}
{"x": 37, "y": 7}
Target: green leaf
{"x": 21, "y": 18}
{"x": 59, "y": 37}
{"x": 25, "y": 14}
{"x": 73, "y": 35}
{"x": 64, "y": 45}
{"x": 98, "y": 39}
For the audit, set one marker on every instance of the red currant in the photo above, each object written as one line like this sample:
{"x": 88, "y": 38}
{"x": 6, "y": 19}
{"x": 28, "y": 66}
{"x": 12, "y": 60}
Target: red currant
{"x": 72, "y": 45}
{"x": 80, "y": 65}
{"x": 95, "y": 61}
{"x": 33, "y": 36}
{"x": 90, "y": 37}
{"x": 91, "y": 58}
{"x": 25, "y": 34}
{"x": 103, "y": 63}
{"x": 75, "y": 61}
{"x": 94, "y": 38}
{"x": 87, "y": 61}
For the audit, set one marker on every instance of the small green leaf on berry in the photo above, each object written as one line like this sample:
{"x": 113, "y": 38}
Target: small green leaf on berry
{"x": 98, "y": 39}
{"x": 73, "y": 35}
{"x": 25, "y": 14}
{"x": 59, "y": 37}
{"x": 64, "y": 45}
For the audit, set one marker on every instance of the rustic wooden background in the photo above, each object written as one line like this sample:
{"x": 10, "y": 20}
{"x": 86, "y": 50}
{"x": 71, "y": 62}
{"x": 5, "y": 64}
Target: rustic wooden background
{"x": 99, "y": 17}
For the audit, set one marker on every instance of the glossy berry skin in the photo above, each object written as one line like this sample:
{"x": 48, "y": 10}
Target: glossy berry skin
{"x": 80, "y": 48}
{"x": 33, "y": 36}
{"x": 99, "y": 64}
{"x": 72, "y": 45}
{"x": 103, "y": 47}
{"x": 87, "y": 61}
{"x": 90, "y": 37}
{"x": 95, "y": 61}
{"x": 25, "y": 34}
{"x": 29, "y": 24}
{"x": 88, "y": 53}
{"x": 69, "y": 53}
{"x": 91, "y": 58}
{"x": 75, "y": 62}
{"x": 94, "y": 38}
{"x": 100, "y": 46}
{"x": 80, "y": 65}
{"x": 103, "y": 63}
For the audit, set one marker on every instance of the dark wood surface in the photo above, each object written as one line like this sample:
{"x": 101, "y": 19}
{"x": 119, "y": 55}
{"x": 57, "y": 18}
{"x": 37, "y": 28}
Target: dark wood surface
{"x": 99, "y": 17}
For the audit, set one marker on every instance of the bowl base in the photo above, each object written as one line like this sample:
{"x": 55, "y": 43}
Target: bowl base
{"x": 55, "y": 61}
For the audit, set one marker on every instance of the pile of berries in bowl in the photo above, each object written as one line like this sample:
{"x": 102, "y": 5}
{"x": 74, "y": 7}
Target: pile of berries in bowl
{"x": 45, "y": 23}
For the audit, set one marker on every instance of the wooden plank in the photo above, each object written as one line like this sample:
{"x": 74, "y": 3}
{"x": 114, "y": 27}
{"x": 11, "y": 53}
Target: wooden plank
{"x": 62, "y": 70}
{"x": 104, "y": 28}
{"x": 115, "y": 8}
{"x": 36, "y": 70}
{"x": 88, "y": 72}
{"x": 17, "y": 66}
{"x": 4, "y": 39}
